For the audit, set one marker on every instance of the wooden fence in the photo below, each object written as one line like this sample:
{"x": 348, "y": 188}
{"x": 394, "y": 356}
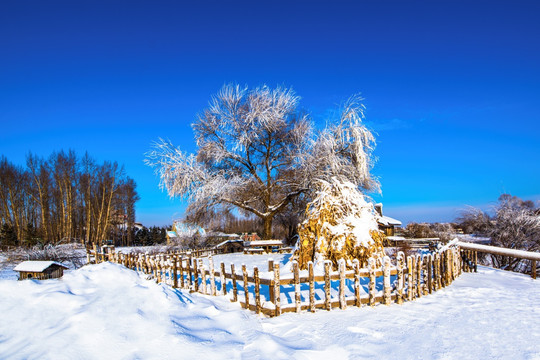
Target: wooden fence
{"x": 381, "y": 282}
{"x": 469, "y": 253}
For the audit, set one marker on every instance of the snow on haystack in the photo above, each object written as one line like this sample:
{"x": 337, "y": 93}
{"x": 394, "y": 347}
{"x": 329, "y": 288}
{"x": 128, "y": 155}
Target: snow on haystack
{"x": 340, "y": 224}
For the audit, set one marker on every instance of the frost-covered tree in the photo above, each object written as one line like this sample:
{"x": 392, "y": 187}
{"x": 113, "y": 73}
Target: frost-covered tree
{"x": 257, "y": 152}
{"x": 516, "y": 226}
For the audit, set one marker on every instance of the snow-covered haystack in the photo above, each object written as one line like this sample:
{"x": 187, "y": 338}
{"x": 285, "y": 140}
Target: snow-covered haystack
{"x": 340, "y": 224}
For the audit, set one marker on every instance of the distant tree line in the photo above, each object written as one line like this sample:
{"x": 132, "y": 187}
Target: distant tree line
{"x": 64, "y": 198}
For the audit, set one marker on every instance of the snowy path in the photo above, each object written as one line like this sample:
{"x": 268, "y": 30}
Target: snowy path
{"x": 105, "y": 311}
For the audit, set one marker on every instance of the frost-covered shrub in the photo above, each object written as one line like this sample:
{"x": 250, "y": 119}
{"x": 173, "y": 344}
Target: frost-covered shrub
{"x": 340, "y": 224}
{"x": 65, "y": 253}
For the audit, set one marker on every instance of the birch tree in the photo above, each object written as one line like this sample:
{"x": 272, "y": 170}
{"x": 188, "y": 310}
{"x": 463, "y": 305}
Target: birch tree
{"x": 257, "y": 152}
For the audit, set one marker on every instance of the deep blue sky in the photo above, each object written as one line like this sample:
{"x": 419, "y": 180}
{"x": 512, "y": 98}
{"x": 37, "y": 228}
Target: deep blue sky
{"x": 451, "y": 87}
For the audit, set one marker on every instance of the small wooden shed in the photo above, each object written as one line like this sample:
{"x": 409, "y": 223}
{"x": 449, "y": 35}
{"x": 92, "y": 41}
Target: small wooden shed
{"x": 40, "y": 270}
{"x": 230, "y": 246}
{"x": 266, "y": 245}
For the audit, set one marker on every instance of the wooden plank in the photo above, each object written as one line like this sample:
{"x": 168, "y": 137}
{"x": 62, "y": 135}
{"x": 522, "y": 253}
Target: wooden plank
{"x": 257, "y": 290}
{"x": 277, "y": 289}
{"x": 410, "y": 278}
{"x": 442, "y": 264}
{"x": 203, "y": 276}
{"x": 419, "y": 264}
{"x": 387, "y": 287}
{"x": 356, "y": 266}
{"x": 342, "y": 284}
{"x": 212, "y": 276}
{"x": 181, "y": 270}
{"x": 271, "y": 286}
{"x": 327, "y": 285}
{"x": 297, "y": 297}
{"x": 437, "y": 271}
{"x": 196, "y": 274}
{"x": 190, "y": 272}
{"x": 175, "y": 272}
{"x": 246, "y": 285}
{"x": 311, "y": 287}
{"x": 429, "y": 264}
{"x": 399, "y": 287}
{"x": 533, "y": 269}
{"x": 372, "y": 281}
{"x": 235, "y": 289}
{"x": 223, "y": 279}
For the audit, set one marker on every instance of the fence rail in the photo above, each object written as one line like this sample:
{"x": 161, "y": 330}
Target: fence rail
{"x": 270, "y": 293}
{"x": 470, "y": 254}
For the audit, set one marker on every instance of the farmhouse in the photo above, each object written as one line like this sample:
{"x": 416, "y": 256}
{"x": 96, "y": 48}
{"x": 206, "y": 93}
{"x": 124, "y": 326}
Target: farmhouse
{"x": 40, "y": 270}
{"x": 386, "y": 224}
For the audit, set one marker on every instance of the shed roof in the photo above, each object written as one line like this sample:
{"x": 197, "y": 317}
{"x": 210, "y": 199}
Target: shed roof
{"x": 36, "y": 266}
{"x": 227, "y": 242}
{"x": 264, "y": 243}
{"x": 387, "y": 220}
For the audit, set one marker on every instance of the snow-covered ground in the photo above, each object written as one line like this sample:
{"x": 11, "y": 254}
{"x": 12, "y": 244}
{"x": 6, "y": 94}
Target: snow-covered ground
{"x": 106, "y": 311}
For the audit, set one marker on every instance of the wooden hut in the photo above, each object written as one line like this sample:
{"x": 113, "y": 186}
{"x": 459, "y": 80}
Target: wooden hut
{"x": 40, "y": 270}
{"x": 386, "y": 224}
{"x": 266, "y": 246}
{"x": 230, "y": 246}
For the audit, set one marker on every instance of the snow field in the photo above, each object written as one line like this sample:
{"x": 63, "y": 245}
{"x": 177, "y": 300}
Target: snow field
{"x": 107, "y": 311}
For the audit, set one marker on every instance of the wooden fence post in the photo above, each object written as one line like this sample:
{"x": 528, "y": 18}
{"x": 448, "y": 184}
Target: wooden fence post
{"x": 342, "y": 284}
{"x": 196, "y": 274}
{"x": 181, "y": 263}
{"x": 235, "y": 289}
{"x": 372, "y": 281}
{"x": 257, "y": 290}
{"x": 202, "y": 270}
{"x": 399, "y": 287}
{"x": 175, "y": 272}
{"x": 418, "y": 276}
{"x": 297, "y": 297}
{"x": 358, "y": 300}
{"x": 95, "y": 253}
{"x": 271, "y": 287}
{"x": 311, "y": 287}
{"x": 387, "y": 288}
{"x": 189, "y": 272}
{"x": 327, "y": 284}
{"x": 410, "y": 278}
{"x": 223, "y": 279}
{"x": 158, "y": 271}
{"x": 212, "y": 276}
{"x": 442, "y": 271}
{"x": 429, "y": 273}
{"x": 277, "y": 290}
{"x": 246, "y": 285}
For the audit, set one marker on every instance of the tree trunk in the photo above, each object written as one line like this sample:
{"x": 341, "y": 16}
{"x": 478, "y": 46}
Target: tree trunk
{"x": 267, "y": 231}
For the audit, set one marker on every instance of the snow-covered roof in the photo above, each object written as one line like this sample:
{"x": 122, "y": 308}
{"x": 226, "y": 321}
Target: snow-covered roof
{"x": 172, "y": 234}
{"x": 36, "y": 266}
{"x": 222, "y": 234}
{"x": 387, "y": 220}
{"x": 227, "y": 241}
{"x": 264, "y": 243}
